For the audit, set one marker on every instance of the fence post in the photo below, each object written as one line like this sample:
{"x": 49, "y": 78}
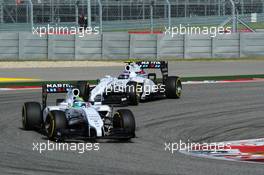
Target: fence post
{"x": 262, "y": 6}
{"x": 52, "y": 10}
{"x": 224, "y": 8}
{"x": 76, "y": 14}
{"x": 205, "y": 8}
{"x": 31, "y": 13}
{"x": 169, "y": 12}
{"x": 122, "y": 11}
{"x": 219, "y": 7}
{"x": 100, "y": 15}
{"x": 185, "y": 8}
{"x": 89, "y": 23}
{"x": 234, "y": 23}
{"x": 27, "y": 14}
{"x": 151, "y": 17}
{"x": 1, "y": 12}
{"x": 243, "y": 7}
{"x": 143, "y": 8}
{"x": 165, "y": 11}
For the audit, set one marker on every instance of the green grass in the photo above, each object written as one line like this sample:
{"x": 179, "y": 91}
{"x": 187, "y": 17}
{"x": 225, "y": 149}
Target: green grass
{"x": 230, "y": 77}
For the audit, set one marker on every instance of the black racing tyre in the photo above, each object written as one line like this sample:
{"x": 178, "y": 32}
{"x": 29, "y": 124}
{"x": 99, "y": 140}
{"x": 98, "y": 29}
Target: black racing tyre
{"x": 173, "y": 87}
{"x": 31, "y": 115}
{"x": 124, "y": 118}
{"x": 55, "y": 121}
{"x": 84, "y": 89}
{"x": 133, "y": 94}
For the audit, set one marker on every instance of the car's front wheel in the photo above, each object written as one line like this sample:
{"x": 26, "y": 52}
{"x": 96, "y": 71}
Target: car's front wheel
{"x": 54, "y": 124}
{"x": 124, "y": 119}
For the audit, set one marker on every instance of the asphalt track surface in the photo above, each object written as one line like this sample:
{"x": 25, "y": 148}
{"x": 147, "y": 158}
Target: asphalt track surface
{"x": 186, "y": 69}
{"x": 205, "y": 113}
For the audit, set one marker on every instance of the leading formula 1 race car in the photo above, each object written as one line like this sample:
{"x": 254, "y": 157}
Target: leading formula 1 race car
{"x": 73, "y": 116}
{"x": 134, "y": 84}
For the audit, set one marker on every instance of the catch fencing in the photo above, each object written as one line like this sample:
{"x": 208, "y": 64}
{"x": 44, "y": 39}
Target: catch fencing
{"x": 122, "y": 15}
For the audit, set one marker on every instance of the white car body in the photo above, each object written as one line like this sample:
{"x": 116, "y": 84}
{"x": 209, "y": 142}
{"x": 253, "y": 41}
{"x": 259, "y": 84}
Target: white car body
{"x": 89, "y": 112}
{"x": 117, "y": 84}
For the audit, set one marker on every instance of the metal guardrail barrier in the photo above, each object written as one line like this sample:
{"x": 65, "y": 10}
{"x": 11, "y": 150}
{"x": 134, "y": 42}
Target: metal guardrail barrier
{"x": 121, "y": 45}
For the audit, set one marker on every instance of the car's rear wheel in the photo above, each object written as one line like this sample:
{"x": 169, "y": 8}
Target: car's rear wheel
{"x": 54, "y": 124}
{"x": 31, "y": 115}
{"x": 173, "y": 87}
{"x": 124, "y": 118}
{"x": 133, "y": 93}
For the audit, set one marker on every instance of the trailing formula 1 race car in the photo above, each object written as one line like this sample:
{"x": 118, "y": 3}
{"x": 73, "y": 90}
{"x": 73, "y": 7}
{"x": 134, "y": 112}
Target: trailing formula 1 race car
{"x": 134, "y": 85}
{"x": 73, "y": 116}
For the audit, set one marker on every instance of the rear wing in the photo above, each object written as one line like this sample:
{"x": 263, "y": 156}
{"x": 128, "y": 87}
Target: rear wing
{"x": 54, "y": 88}
{"x": 162, "y": 65}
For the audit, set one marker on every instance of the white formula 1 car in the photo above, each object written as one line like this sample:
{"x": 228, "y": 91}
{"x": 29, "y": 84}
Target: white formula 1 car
{"x": 73, "y": 116}
{"x": 134, "y": 85}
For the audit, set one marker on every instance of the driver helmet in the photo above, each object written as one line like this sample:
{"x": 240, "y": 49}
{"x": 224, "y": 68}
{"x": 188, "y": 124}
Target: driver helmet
{"x": 141, "y": 73}
{"x": 78, "y": 102}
